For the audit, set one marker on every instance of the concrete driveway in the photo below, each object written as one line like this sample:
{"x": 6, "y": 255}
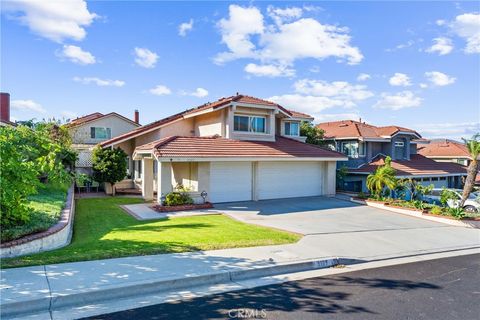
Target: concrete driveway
{"x": 341, "y": 228}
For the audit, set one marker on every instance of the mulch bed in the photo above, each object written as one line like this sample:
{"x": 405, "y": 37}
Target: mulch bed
{"x": 186, "y": 207}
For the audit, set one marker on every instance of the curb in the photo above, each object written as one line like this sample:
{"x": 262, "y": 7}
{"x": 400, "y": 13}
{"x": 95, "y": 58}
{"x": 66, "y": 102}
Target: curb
{"x": 129, "y": 290}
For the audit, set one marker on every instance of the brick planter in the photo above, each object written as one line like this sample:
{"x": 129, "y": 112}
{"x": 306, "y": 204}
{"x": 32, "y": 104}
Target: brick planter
{"x": 185, "y": 207}
{"x": 57, "y": 236}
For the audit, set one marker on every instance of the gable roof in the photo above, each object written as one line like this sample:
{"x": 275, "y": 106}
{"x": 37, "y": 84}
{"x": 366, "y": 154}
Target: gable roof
{"x": 96, "y": 116}
{"x": 357, "y": 129}
{"x": 239, "y": 98}
{"x": 418, "y": 165}
{"x": 444, "y": 148}
{"x": 218, "y": 147}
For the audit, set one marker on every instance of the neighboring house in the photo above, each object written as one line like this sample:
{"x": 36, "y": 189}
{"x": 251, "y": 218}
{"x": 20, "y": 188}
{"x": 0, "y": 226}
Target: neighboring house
{"x": 235, "y": 149}
{"x": 445, "y": 150}
{"x": 367, "y": 146}
{"x": 5, "y": 110}
{"x": 92, "y": 129}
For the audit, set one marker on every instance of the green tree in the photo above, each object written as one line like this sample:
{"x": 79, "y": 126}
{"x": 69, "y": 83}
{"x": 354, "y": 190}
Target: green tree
{"x": 109, "y": 165}
{"x": 383, "y": 177}
{"x": 314, "y": 135}
{"x": 473, "y": 147}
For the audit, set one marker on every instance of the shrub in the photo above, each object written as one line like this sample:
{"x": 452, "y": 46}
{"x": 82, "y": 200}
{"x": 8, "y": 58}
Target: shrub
{"x": 457, "y": 212}
{"x": 109, "y": 165}
{"x": 447, "y": 195}
{"x": 178, "y": 199}
{"x": 362, "y": 195}
{"x": 436, "y": 210}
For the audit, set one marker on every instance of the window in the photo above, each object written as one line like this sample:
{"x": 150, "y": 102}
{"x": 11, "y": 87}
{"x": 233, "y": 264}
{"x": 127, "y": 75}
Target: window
{"x": 353, "y": 149}
{"x": 443, "y": 178}
{"x": 100, "y": 133}
{"x": 249, "y": 124}
{"x": 292, "y": 129}
{"x": 399, "y": 144}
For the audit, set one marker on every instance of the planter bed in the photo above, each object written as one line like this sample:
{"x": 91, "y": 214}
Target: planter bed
{"x": 185, "y": 207}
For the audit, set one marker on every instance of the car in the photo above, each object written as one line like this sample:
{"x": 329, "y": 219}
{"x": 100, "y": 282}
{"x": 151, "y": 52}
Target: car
{"x": 471, "y": 205}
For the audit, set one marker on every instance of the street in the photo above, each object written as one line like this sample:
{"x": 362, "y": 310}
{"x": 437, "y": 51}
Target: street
{"x": 437, "y": 289}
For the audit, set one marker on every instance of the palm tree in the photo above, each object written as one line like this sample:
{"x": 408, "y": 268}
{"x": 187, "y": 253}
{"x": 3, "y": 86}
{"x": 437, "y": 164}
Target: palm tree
{"x": 383, "y": 177}
{"x": 473, "y": 147}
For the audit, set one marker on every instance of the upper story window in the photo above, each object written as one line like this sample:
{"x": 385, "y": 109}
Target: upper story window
{"x": 249, "y": 124}
{"x": 292, "y": 129}
{"x": 353, "y": 149}
{"x": 100, "y": 133}
{"x": 399, "y": 144}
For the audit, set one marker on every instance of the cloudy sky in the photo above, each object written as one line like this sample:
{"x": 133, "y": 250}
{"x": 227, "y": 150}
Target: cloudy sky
{"x": 414, "y": 64}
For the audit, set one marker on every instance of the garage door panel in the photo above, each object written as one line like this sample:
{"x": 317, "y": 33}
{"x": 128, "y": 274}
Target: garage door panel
{"x": 230, "y": 181}
{"x": 289, "y": 179}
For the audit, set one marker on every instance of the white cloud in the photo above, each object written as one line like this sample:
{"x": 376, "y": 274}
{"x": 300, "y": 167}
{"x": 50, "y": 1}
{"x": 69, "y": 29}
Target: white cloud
{"x": 145, "y": 58}
{"x": 284, "y": 15}
{"x": 400, "y": 80}
{"x": 290, "y": 38}
{"x": 449, "y": 130}
{"x": 200, "y": 93}
{"x": 27, "y": 105}
{"x": 185, "y": 27}
{"x": 363, "y": 77}
{"x": 160, "y": 90}
{"x": 340, "y": 90}
{"x": 315, "y": 96}
{"x": 439, "y": 79}
{"x": 440, "y": 22}
{"x": 441, "y": 45}
{"x": 401, "y": 100}
{"x": 269, "y": 70}
{"x": 467, "y": 26}
{"x": 423, "y": 85}
{"x": 407, "y": 44}
{"x": 77, "y": 55}
{"x": 69, "y": 114}
{"x": 100, "y": 82}
{"x": 54, "y": 20}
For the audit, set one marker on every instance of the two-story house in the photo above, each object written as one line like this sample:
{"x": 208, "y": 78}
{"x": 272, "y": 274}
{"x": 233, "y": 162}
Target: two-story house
{"x": 235, "y": 149}
{"x": 92, "y": 129}
{"x": 446, "y": 150}
{"x": 367, "y": 146}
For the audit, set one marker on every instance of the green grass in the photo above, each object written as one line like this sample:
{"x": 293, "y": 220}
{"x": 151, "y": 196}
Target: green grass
{"x": 103, "y": 230}
{"x": 45, "y": 206}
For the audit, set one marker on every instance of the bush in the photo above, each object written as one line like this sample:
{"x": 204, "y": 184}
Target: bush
{"x": 362, "y": 195}
{"x": 109, "y": 165}
{"x": 457, "y": 212}
{"x": 436, "y": 210}
{"x": 447, "y": 195}
{"x": 178, "y": 199}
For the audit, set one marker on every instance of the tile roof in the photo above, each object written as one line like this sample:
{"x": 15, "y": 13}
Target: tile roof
{"x": 444, "y": 148}
{"x": 210, "y": 105}
{"x": 357, "y": 129}
{"x": 95, "y": 116}
{"x": 418, "y": 165}
{"x": 218, "y": 147}
{"x": 297, "y": 114}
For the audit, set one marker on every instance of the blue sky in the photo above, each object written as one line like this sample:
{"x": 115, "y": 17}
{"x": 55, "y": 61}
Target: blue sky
{"x": 414, "y": 64}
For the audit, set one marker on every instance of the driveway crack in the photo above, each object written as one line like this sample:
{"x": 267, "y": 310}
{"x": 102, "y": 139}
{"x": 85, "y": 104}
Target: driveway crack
{"x": 50, "y": 292}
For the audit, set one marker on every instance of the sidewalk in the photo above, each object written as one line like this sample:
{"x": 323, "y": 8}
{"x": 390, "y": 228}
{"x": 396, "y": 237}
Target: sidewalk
{"x": 77, "y": 284}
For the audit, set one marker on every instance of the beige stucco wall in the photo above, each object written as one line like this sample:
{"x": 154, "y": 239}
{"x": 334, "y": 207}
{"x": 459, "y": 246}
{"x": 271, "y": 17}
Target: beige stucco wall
{"x": 178, "y": 128}
{"x": 209, "y": 124}
{"x": 185, "y": 173}
{"x": 118, "y": 126}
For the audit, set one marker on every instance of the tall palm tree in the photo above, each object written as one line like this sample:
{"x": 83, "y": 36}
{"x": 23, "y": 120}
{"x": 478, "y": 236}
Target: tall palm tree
{"x": 473, "y": 147}
{"x": 383, "y": 177}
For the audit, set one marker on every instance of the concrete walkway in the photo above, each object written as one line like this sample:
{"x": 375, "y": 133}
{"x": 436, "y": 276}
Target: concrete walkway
{"x": 143, "y": 211}
{"x": 332, "y": 228}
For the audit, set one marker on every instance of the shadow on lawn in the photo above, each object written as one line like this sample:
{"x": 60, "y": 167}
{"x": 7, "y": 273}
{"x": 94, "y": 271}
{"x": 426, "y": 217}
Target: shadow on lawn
{"x": 318, "y": 296}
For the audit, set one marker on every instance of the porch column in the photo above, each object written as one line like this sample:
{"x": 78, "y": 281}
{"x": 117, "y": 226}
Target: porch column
{"x": 147, "y": 181}
{"x": 329, "y": 180}
{"x": 164, "y": 182}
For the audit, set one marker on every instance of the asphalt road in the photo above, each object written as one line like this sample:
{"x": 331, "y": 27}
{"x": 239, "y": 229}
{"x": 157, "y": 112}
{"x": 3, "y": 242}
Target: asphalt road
{"x": 437, "y": 289}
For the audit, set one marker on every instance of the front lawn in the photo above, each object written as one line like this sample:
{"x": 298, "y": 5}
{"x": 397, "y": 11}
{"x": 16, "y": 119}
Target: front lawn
{"x": 46, "y": 207}
{"x": 103, "y": 230}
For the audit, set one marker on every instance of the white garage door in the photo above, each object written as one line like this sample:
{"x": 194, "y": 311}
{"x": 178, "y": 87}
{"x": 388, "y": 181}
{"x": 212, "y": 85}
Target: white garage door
{"x": 230, "y": 181}
{"x": 289, "y": 179}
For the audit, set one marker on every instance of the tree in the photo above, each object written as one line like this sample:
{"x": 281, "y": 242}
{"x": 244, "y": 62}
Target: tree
{"x": 109, "y": 165}
{"x": 473, "y": 147}
{"x": 383, "y": 177}
{"x": 314, "y": 135}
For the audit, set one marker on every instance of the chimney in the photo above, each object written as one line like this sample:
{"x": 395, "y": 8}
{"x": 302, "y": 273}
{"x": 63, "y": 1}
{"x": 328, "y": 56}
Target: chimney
{"x": 136, "y": 117}
{"x": 5, "y": 106}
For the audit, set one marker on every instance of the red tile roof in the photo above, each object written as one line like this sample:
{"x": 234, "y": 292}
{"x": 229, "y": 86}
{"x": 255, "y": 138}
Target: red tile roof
{"x": 444, "y": 148}
{"x": 418, "y": 165}
{"x": 217, "y": 147}
{"x": 301, "y": 115}
{"x": 210, "y": 105}
{"x": 96, "y": 116}
{"x": 356, "y": 129}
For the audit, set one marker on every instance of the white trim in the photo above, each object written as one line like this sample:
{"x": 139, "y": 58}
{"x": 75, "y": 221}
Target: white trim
{"x": 406, "y": 133}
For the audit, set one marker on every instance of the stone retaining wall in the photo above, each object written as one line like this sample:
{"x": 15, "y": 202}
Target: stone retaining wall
{"x": 55, "y": 237}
